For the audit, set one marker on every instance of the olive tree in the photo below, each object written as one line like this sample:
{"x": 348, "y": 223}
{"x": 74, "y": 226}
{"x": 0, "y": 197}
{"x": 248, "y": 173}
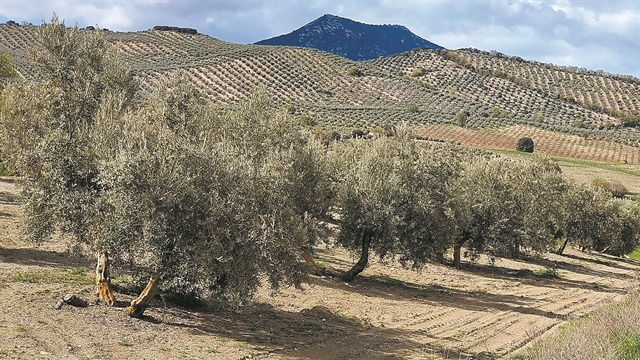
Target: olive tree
{"x": 503, "y": 206}
{"x": 208, "y": 203}
{"x": 390, "y": 195}
{"x": 48, "y": 129}
{"x": 596, "y": 221}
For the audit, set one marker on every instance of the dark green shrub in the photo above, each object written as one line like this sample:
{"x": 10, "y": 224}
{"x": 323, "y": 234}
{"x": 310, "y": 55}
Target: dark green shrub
{"x": 525, "y": 144}
{"x": 357, "y": 134}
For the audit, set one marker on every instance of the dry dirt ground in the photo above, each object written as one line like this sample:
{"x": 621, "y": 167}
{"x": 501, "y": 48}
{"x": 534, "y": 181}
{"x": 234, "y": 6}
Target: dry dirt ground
{"x": 487, "y": 310}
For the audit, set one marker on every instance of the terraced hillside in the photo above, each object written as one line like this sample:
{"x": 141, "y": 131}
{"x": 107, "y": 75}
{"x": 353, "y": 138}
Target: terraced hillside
{"x": 548, "y": 142}
{"x": 612, "y": 94}
{"x": 421, "y": 87}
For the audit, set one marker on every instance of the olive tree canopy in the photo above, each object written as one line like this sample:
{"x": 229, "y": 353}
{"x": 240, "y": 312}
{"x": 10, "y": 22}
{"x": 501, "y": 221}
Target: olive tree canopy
{"x": 502, "y": 206}
{"x": 210, "y": 202}
{"x": 390, "y": 196}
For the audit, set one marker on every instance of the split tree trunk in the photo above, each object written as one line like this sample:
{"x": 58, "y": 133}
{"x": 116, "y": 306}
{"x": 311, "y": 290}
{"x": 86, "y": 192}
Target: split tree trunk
{"x": 103, "y": 281}
{"x": 309, "y": 259}
{"x": 362, "y": 263}
{"x": 139, "y": 305}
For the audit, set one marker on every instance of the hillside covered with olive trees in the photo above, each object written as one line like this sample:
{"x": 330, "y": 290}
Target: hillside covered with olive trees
{"x": 424, "y": 87}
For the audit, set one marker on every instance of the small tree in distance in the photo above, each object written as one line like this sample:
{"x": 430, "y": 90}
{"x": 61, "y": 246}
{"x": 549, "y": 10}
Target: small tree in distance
{"x": 461, "y": 119}
{"x": 525, "y": 144}
{"x": 412, "y": 108}
{"x": 503, "y": 206}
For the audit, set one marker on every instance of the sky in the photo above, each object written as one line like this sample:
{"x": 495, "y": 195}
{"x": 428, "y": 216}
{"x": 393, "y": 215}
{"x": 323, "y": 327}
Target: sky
{"x": 596, "y": 34}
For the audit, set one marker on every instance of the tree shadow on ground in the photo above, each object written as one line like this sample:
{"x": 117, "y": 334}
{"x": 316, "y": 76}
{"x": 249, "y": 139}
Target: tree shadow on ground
{"x": 608, "y": 262}
{"x": 528, "y": 277}
{"x": 436, "y": 295}
{"x": 314, "y": 333}
{"x": 576, "y": 268}
{"x": 8, "y": 198}
{"x": 37, "y": 257}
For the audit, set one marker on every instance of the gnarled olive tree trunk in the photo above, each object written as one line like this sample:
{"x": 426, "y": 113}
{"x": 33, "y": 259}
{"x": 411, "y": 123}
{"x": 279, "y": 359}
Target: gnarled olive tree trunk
{"x": 559, "y": 235}
{"x": 364, "y": 258}
{"x": 139, "y": 305}
{"x": 103, "y": 281}
{"x": 457, "y": 247}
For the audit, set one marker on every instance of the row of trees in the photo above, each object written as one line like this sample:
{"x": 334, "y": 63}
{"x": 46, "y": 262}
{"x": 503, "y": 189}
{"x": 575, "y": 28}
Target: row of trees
{"x": 210, "y": 202}
{"x": 402, "y": 198}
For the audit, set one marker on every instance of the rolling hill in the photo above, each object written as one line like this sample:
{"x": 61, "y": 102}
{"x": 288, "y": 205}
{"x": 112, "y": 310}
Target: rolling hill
{"x": 352, "y": 39}
{"x": 421, "y": 87}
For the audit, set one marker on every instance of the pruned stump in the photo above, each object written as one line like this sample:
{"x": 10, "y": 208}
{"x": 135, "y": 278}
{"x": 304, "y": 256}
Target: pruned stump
{"x": 139, "y": 305}
{"x": 103, "y": 281}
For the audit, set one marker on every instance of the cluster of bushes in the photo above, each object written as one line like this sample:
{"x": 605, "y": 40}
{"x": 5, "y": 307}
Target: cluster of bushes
{"x": 175, "y": 29}
{"x": 208, "y": 202}
{"x": 212, "y": 202}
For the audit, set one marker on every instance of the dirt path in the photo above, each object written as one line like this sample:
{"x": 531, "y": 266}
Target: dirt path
{"x": 485, "y": 310}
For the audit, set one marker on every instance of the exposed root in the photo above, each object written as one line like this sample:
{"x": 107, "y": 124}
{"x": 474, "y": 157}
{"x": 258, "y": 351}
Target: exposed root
{"x": 139, "y": 305}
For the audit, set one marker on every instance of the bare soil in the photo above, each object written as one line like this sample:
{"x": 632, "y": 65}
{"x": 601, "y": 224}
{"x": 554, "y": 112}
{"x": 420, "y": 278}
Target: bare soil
{"x": 487, "y": 310}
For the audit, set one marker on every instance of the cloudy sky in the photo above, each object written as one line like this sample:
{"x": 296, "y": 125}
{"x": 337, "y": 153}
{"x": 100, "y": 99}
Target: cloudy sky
{"x": 595, "y": 34}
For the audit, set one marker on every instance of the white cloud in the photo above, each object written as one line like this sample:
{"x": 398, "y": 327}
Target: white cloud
{"x": 112, "y": 17}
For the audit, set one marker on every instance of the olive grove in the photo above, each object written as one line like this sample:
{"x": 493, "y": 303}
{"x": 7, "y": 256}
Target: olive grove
{"x": 212, "y": 203}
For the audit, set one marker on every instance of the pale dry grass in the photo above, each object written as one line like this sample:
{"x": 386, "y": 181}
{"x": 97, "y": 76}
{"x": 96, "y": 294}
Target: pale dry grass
{"x": 611, "y": 332}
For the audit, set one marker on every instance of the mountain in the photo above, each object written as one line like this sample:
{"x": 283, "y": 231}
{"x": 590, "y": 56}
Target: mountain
{"x": 352, "y": 39}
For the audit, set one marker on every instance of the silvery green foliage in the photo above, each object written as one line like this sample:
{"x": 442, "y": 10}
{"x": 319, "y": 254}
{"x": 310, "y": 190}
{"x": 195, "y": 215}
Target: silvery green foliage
{"x": 599, "y": 222}
{"x": 504, "y": 206}
{"x": 391, "y": 192}
{"x": 48, "y": 128}
{"x": 214, "y": 200}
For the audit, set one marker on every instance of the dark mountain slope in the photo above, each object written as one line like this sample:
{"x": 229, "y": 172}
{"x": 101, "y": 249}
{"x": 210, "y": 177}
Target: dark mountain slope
{"x": 352, "y": 39}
